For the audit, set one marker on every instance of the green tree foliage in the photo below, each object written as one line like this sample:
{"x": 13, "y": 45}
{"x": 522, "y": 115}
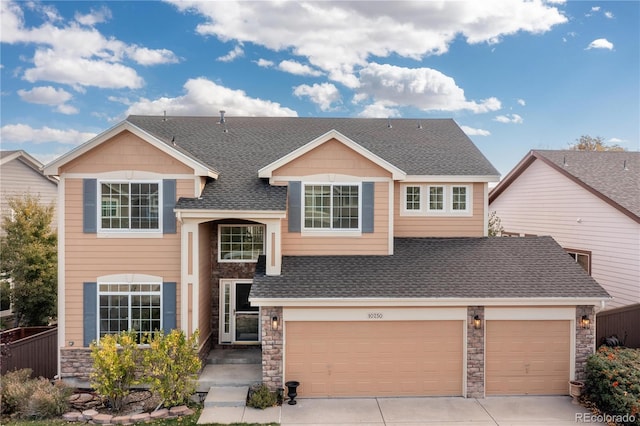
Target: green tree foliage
{"x": 30, "y": 260}
{"x": 588, "y": 143}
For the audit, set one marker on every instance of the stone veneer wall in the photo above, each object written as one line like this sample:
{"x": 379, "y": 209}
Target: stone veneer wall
{"x": 585, "y": 339}
{"x": 272, "y": 348}
{"x": 75, "y": 363}
{"x": 475, "y": 353}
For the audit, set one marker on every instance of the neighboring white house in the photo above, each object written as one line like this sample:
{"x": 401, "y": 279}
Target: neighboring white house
{"x": 20, "y": 174}
{"x": 589, "y": 202}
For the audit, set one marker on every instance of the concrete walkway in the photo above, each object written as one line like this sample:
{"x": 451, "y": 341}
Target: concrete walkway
{"x": 492, "y": 411}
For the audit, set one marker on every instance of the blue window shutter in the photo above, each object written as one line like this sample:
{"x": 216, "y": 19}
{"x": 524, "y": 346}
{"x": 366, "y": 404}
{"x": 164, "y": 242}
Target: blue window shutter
{"x": 168, "y": 203}
{"x": 168, "y": 306}
{"x": 89, "y": 206}
{"x": 367, "y": 206}
{"x": 295, "y": 206}
{"x": 89, "y": 313}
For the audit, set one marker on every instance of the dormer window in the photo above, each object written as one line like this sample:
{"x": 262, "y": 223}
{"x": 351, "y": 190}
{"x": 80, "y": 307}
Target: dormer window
{"x": 332, "y": 206}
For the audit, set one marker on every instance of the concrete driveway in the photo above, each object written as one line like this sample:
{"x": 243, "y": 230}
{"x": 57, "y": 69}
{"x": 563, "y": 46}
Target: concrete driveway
{"x": 520, "y": 411}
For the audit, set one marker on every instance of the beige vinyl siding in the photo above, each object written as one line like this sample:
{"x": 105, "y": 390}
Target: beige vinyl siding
{"x": 331, "y": 157}
{"x": 544, "y": 202}
{"x": 204, "y": 295}
{"x": 295, "y": 244}
{"x": 426, "y": 225}
{"x": 126, "y": 151}
{"x": 335, "y": 158}
{"x": 87, "y": 256}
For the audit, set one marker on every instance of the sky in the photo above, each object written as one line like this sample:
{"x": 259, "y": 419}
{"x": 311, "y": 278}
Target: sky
{"x": 515, "y": 75}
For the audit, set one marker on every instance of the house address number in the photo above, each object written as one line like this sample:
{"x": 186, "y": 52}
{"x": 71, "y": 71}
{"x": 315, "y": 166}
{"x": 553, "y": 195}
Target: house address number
{"x": 375, "y": 315}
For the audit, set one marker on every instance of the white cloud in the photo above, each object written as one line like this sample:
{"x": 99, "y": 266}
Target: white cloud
{"x": 608, "y": 15}
{"x": 94, "y": 17}
{"x": 521, "y": 102}
{"x": 264, "y": 63}
{"x": 509, "y": 118}
{"x": 45, "y": 95}
{"x": 379, "y": 110}
{"x": 297, "y": 68}
{"x": 204, "y": 97}
{"x": 601, "y": 43}
{"x": 470, "y": 131}
{"x": 366, "y": 29}
{"x": 595, "y": 8}
{"x": 237, "y": 52}
{"x": 75, "y": 53}
{"x": 67, "y": 109}
{"x": 22, "y": 133}
{"x": 323, "y": 94}
{"x": 423, "y": 88}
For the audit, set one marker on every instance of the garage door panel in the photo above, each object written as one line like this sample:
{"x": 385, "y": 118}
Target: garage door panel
{"x": 376, "y": 359}
{"x": 539, "y": 365}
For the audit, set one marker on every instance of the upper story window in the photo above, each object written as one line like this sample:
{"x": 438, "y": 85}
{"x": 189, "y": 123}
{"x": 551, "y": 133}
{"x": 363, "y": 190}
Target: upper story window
{"x": 332, "y": 206}
{"x": 453, "y": 200}
{"x": 240, "y": 243}
{"x": 582, "y": 257}
{"x": 130, "y": 206}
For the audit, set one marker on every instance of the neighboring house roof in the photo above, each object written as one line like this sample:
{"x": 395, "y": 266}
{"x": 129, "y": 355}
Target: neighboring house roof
{"x": 241, "y": 146}
{"x": 25, "y": 158}
{"x": 613, "y": 176}
{"x": 434, "y": 268}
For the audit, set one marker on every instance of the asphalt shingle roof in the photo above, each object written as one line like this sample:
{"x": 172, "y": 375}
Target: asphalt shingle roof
{"x": 615, "y": 174}
{"x": 435, "y": 268}
{"x": 241, "y": 146}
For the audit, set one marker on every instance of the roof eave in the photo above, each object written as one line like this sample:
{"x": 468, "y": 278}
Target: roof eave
{"x": 267, "y": 171}
{"x": 200, "y": 169}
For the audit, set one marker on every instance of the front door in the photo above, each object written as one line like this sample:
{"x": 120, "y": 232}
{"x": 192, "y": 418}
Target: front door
{"x": 239, "y": 321}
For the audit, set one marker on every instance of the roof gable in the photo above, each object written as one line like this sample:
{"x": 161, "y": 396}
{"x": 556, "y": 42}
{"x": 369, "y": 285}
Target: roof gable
{"x": 200, "y": 169}
{"x": 27, "y": 160}
{"x": 612, "y": 176}
{"x": 267, "y": 171}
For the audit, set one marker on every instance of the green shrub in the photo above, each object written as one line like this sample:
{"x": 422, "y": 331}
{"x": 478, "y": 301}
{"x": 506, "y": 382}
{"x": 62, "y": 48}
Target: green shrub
{"x": 171, "y": 366}
{"x": 613, "y": 382}
{"x": 261, "y": 397}
{"x": 115, "y": 361}
{"x": 5, "y": 295}
{"x": 15, "y": 391}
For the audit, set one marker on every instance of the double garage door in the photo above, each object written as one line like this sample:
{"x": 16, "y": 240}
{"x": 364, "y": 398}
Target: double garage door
{"x": 424, "y": 358}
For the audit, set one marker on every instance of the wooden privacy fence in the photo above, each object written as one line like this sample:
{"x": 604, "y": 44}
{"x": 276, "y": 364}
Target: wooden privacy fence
{"x": 624, "y": 323}
{"x": 30, "y": 347}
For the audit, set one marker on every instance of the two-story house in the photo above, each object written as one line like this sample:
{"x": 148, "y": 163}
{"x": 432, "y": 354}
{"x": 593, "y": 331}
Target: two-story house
{"x": 589, "y": 202}
{"x": 354, "y": 251}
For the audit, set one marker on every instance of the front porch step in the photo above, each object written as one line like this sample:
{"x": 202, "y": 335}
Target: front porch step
{"x": 225, "y": 375}
{"x": 235, "y": 356}
{"x": 227, "y": 396}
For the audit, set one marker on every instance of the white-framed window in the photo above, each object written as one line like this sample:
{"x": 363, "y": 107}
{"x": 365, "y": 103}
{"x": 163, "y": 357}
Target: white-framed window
{"x": 582, "y": 257}
{"x": 333, "y": 206}
{"x": 130, "y": 206}
{"x": 129, "y": 306}
{"x": 436, "y": 199}
{"x": 240, "y": 243}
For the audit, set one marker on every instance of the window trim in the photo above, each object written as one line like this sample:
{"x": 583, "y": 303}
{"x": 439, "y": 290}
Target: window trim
{"x": 331, "y": 231}
{"x": 445, "y": 200}
{"x": 129, "y": 231}
{"x": 587, "y": 253}
{"x": 425, "y": 201}
{"x": 403, "y": 203}
{"x": 230, "y": 225}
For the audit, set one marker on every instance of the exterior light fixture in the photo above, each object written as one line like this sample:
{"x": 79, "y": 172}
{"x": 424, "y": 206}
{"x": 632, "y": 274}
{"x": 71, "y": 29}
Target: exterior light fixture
{"x": 477, "y": 322}
{"x": 274, "y": 323}
{"x": 585, "y": 322}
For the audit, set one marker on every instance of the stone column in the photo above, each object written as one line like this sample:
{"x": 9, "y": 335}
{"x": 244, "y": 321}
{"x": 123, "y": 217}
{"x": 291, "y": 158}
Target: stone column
{"x": 585, "y": 339}
{"x": 272, "y": 348}
{"x": 475, "y": 353}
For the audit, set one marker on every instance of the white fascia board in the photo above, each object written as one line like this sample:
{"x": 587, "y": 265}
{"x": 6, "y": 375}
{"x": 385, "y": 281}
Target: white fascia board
{"x": 225, "y": 214}
{"x": 266, "y": 171}
{"x": 451, "y": 178}
{"x": 200, "y": 169}
{"x": 432, "y": 302}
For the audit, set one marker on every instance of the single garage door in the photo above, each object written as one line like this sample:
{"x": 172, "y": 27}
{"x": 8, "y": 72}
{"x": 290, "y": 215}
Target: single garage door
{"x": 527, "y": 357}
{"x": 390, "y": 358}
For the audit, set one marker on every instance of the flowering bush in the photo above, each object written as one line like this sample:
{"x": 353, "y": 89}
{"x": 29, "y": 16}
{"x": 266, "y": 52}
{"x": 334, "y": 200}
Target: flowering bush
{"x": 613, "y": 381}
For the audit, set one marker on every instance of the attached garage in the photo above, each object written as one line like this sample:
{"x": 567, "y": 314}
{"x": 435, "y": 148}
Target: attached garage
{"x": 528, "y": 357}
{"x": 375, "y": 358}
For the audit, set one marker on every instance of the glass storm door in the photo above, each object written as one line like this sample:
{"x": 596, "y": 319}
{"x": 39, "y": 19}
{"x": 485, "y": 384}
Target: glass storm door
{"x": 239, "y": 321}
